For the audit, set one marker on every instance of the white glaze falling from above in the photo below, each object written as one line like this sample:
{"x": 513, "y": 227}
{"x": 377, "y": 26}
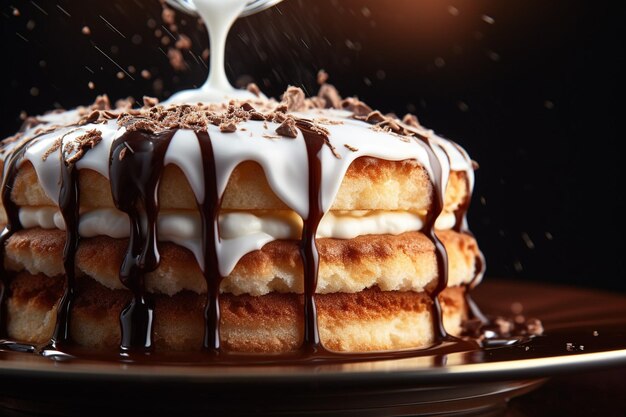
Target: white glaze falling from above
{"x": 219, "y": 16}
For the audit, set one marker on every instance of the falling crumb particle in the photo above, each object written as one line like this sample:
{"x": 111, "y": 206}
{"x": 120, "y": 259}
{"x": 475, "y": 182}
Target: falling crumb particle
{"x": 549, "y": 236}
{"x": 463, "y": 106}
{"x": 570, "y": 347}
{"x": 146, "y": 74}
{"x": 581, "y": 347}
{"x": 527, "y": 348}
{"x": 86, "y": 31}
{"x": 517, "y": 307}
{"x": 91, "y": 85}
{"x": 30, "y": 25}
{"x": 494, "y": 56}
{"x": 453, "y": 10}
{"x": 440, "y": 62}
{"x": 548, "y": 104}
{"x": 595, "y": 333}
{"x": 381, "y": 74}
{"x": 528, "y": 241}
{"x": 488, "y": 19}
{"x": 119, "y": 75}
{"x": 366, "y": 12}
{"x": 34, "y": 91}
{"x": 132, "y": 69}
{"x": 23, "y": 115}
{"x": 16, "y": 11}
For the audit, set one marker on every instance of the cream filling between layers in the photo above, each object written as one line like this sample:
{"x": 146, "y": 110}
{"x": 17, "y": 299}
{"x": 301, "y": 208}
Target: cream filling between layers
{"x": 183, "y": 227}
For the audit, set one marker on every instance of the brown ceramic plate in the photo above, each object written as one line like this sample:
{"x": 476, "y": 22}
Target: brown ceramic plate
{"x": 584, "y": 330}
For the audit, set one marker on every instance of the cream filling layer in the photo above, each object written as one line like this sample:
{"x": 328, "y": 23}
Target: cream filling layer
{"x": 237, "y": 228}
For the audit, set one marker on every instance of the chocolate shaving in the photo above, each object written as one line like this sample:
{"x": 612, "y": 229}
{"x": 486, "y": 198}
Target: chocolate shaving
{"x": 82, "y": 144}
{"x": 102, "y": 103}
{"x": 288, "y": 128}
{"x": 294, "y": 99}
{"x": 356, "y": 106}
{"x": 375, "y": 117}
{"x": 330, "y": 95}
{"x": 176, "y": 59}
{"x": 150, "y": 101}
{"x": 350, "y": 147}
{"x": 411, "y": 120}
{"x": 228, "y": 126}
{"x": 322, "y": 77}
{"x": 56, "y": 145}
{"x": 254, "y": 89}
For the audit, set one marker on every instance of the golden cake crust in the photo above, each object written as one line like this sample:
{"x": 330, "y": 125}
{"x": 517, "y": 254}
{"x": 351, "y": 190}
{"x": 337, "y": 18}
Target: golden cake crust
{"x": 403, "y": 262}
{"x": 364, "y": 321}
{"x": 369, "y": 184}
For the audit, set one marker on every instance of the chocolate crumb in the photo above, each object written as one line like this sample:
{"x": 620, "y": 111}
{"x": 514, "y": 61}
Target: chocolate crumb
{"x": 168, "y": 15}
{"x": 352, "y": 148}
{"x": 183, "y": 42}
{"x": 176, "y": 59}
{"x": 86, "y": 31}
{"x": 119, "y": 75}
{"x": 254, "y": 89}
{"x": 595, "y": 333}
{"x": 146, "y": 74}
{"x": 91, "y": 85}
{"x": 228, "y": 126}
{"x": 247, "y": 107}
{"x": 288, "y": 128}
{"x": 322, "y": 77}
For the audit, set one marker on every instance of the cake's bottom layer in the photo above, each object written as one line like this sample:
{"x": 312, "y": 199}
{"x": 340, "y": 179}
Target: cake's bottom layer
{"x": 364, "y": 321}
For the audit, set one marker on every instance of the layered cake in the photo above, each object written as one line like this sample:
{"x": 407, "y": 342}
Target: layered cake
{"x": 256, "y": 225}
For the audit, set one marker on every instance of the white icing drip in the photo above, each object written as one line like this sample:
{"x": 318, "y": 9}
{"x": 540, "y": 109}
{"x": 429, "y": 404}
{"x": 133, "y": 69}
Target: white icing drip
{"x": 184, "y": 151}
{"x": 283, "y": 160}
{"x": 219, "y": 16}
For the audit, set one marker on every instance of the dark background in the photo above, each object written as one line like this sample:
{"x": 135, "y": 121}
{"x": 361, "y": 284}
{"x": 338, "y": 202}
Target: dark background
{"x": 530, "y": 88}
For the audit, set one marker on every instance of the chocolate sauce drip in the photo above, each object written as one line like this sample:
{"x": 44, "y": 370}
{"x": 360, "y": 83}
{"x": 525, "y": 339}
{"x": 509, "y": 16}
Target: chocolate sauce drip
{"x": 461, "y": 226}
{"x": 314, "y": 140}
{"x": 209, "y": 213}
{"x": 69, "y": 203}
{"x": 13, "y": 223}
{"x": 436, "y": 208}
{"x": 135, "y": 167}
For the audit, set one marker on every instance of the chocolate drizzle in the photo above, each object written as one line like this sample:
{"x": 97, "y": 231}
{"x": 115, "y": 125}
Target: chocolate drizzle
{"x": 436, "y": 208}
{"x": 69, "y": 198}
{"x": 209, "y": 214}
{"x": 314, "y": 140}
{"x": 135, "y": 166}
{"x": 13, "y": 223}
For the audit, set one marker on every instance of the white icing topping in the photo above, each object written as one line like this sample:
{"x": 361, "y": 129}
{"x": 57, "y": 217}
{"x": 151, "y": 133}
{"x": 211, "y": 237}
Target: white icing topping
{"x": 284, "y": 162}
{"x": 183, "y": 227}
